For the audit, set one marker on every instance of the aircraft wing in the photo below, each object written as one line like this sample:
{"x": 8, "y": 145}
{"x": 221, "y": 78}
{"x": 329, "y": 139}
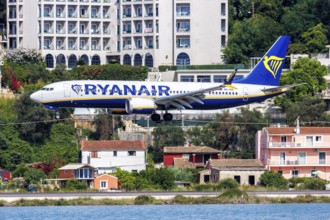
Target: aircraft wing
{"x": 181, "y": 101}
{"x": 280, "y": 89}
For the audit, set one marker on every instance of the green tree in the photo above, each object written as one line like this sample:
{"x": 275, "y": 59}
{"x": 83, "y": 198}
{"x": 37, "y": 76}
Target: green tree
{"x": 228, "y": 183}
{"x": 273, "y": 180}
{"x": 106, "y": 125}
{"x": 20, "y": 170}
{"x": 299, "y": 18}
{"x": 34, "y": 176}
{"x": 61, "y": 144}
{"x": 126, "y": 179}
{"x": 305, "y": 70}
{"x": 167, "y": 135}
{"x": 33, "y": 118}
{"x": 249, "y": 122}
{"x": 311, "y": 109}
{"x": 164, "y": 178}
{"x": 14, "y": 151}
{"x": 251, "y": 37}
{"x": 315, "y": 39}
{"x": 224, "y": 129}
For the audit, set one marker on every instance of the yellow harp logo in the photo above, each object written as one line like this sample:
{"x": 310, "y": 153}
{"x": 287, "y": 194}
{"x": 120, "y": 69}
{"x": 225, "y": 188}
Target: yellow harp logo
{"x": 273, "y": 64}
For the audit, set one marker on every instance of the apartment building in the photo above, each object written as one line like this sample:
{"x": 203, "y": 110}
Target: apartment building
{"x": 295, "y": 151}
{"x": 132, "y": 32}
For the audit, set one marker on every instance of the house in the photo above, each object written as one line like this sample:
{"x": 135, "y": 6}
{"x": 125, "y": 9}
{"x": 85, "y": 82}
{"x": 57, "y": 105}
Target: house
{"x": 106, "y": 182}
{"x": 81, "y": 172}
{"x": 107, "y": 155}
{"x": 189, "y": 157}
{"x": 5, "y": 174}
{"x": 295, "y": 151}
{"x": 244, "y": 171}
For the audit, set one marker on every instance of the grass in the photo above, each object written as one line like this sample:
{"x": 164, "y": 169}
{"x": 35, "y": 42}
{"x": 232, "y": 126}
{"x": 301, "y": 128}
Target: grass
{"x": 231, "y": 197}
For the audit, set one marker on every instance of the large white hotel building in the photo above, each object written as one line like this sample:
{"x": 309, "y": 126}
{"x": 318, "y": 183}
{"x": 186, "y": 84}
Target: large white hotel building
{"x": 132, "y": 32}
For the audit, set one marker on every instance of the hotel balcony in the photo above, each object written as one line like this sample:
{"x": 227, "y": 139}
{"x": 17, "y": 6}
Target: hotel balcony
{"x": 298, "y": 145}
{"x": 321, "y": 162}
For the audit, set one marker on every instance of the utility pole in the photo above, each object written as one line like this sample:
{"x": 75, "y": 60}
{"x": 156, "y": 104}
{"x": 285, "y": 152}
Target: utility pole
{"x": 1, "y": 64}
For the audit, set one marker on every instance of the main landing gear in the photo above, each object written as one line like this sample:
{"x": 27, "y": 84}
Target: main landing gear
{"x": 156, "y": 117}
{"x": 57, "y": 115}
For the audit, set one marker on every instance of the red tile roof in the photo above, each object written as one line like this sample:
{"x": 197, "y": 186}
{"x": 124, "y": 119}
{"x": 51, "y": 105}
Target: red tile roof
{"x": 112, "y": 145}
{"x": 303, "y": 130}
{"x": 182, "y": 163}
{"x": 236, "y": 163}
{"x": 202, "y": 149}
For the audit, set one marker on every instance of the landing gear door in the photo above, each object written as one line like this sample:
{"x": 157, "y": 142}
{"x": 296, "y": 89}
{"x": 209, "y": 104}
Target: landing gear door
{"x": 245, "y": 94}
{"x": 67, "y": 90}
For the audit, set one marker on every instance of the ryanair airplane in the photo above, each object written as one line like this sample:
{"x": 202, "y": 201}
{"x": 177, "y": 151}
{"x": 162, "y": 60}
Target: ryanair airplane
{"x": 138, "y": 97}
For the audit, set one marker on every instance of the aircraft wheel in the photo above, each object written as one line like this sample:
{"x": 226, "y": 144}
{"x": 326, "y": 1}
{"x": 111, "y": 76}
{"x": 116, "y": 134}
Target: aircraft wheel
{"x": 57, "y": 115}
{"x": 167, "y": 117}
{"x": 155, "y": 117}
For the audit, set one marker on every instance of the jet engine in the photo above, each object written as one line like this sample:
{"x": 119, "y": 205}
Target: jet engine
{"x": 140, "y": 106}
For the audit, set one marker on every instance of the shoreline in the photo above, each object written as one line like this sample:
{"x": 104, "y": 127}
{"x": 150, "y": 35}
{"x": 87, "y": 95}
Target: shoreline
{"x": 161, "y": 198}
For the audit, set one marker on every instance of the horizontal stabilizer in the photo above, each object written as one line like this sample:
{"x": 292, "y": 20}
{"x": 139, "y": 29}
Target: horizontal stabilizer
{"x": 281, "y": 88}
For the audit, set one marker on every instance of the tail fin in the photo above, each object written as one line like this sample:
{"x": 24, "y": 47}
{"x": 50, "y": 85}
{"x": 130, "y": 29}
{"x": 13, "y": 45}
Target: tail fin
{"x": 269, "y": 68}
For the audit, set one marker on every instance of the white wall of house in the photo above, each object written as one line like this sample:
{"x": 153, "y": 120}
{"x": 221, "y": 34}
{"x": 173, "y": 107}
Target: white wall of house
{"x": 108, "y": 161}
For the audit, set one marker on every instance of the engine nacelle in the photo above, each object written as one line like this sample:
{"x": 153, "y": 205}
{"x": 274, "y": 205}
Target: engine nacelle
{"x": 140, "y": 106}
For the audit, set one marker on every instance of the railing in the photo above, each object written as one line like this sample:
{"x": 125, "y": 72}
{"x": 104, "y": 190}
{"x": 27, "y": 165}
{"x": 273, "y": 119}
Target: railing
{"x": 298, "y": 162}
{"x": 313, "y": 145}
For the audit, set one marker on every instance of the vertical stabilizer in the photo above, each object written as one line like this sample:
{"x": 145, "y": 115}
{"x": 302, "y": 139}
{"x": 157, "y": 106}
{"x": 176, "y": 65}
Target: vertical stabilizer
{"x": 269, "y": 68}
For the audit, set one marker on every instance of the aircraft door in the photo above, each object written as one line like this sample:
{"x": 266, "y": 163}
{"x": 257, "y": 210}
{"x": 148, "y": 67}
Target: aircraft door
{"x": 67, "y": 91}
{"x": 245, "y": 94}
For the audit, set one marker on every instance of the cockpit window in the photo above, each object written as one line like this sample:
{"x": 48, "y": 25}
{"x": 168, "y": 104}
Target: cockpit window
{"x": 47, "y": 89}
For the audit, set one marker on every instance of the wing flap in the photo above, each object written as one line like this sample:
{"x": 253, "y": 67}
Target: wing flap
{"x": 181, "y": 101}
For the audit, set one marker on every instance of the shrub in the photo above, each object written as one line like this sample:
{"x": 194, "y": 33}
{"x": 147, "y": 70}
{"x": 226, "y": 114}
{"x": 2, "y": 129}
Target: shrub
{"x": 228, "y": 184}
{"x": 179, "y": 199}
{"x": 74, "y": 184}
{"x": 205, "y": 187}
{"x": 233, "y": 192}
{"x": 308, "y": 183}
{"x": 144, "y": 200}
{"x": 275, "y": 180}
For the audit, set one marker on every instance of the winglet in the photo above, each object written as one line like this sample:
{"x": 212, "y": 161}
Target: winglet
{"x": 230, "y": 78}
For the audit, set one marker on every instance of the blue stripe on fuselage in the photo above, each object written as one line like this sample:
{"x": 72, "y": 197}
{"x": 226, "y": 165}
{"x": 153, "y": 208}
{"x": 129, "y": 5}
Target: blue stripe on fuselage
{"x": 209, "y": 104}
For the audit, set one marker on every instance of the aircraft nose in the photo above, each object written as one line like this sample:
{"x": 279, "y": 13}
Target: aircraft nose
{"x": 34, "y": 97}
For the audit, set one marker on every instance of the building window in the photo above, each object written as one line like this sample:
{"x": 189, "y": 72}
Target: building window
{"x": 280, "y": 172}
{"x": 282, "y": 158}
{"x": 115, "y": 153}
{"x": 49, "y": 61}
{"x": 309, "y": 141}
{"x": 219, "y": 78}
{"x": 294, "y": 173}
{"x": 131, "y": 153}
{"x": 238, "y": 179}
{"x": 301, "y": 158}
{"x": 318, "y": 138}
{"x": 251, "y": 180}
{"x": 149, "y": 62}
{"x": 203, "y": 78}
{"x": 322, "y": 157}
{"x": 189, "y": 78}
{"x": 314, "y": 173}
{"x": 183, "y": 60}
{"x": 283, "y": 139}
{"x": 96, "y": 60}
{"x": 104, "y": 184}
{"x": 94, "y": 154}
